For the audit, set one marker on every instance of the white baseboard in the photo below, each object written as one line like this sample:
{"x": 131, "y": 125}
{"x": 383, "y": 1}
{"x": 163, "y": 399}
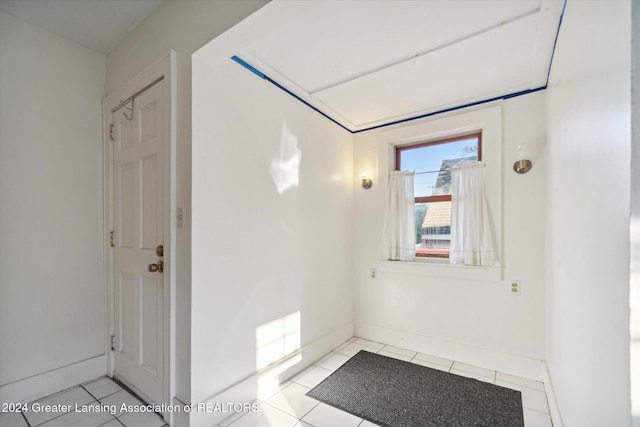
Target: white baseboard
{"x": 50, "y": 382}
{"x": 486, "y": 358}
{"x": 554, "y": 408}
{"x": 249, "y": 389}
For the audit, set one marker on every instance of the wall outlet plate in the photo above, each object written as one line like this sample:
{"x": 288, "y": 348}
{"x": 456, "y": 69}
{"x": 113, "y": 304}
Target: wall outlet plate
{"x": 515, "y": 287}
{"x": 373, "y": 273}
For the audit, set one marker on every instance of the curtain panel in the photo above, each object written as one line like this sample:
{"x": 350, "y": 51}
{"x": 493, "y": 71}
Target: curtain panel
{"x": 399, "y": 237}
{"x": 471, "y": 241}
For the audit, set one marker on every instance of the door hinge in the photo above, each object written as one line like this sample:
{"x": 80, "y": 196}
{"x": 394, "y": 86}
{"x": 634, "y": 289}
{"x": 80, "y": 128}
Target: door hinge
{"x": 112, "y": 238}
{"x": 113, "y": 342}
{"x": 111, "y": 132}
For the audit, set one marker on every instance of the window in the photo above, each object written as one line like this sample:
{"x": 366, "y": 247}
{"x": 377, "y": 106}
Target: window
{"x": 432, "y": 162}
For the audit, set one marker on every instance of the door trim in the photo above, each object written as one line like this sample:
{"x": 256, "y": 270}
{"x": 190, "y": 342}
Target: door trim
{"x": 165, "y": 68}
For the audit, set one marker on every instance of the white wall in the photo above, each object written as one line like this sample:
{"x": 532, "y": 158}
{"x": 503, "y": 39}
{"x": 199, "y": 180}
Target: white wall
{"x": 272, "y": 227}
{"x": 52, "y": 317}
{"x": 588, "y": 215}
{"x": 184, "y": 26}
{"x": 465, "y": 314}
{"x": 634, "y": 293}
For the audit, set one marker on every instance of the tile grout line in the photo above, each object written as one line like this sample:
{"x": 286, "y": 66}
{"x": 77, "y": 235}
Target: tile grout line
{"x": 61, "y": 414}
{"x": 100, "y": 401}
{"x": 25, "y": 417}
{"x": 115, "y": 418}
{"x": 521, "y": 385}
{"x": 277, "y": 409}
{"x": 51, "y": 419}
{"x": 244, "y": 414}
{"x": 90, "y": 394}
{"x": 295, "y": 416}
{"x": 539, "y": 412}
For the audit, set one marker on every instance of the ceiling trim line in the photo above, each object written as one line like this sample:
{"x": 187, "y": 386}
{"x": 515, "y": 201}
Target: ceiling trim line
{"x": 555, "y": 42}
{"x": 248, "y": 66}
{"x": 260, "y": 74}
{"x": 447, "y": 110}
{"x": 279, "y": 86}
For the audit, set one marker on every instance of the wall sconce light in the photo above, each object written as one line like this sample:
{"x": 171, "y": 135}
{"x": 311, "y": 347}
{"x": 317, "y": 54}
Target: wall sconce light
{"x": 522, "y": 164}
{"x": 366, "y": 181}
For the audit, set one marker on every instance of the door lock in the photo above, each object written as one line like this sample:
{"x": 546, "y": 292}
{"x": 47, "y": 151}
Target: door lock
{"x": 160, "y": 250}
{"x": 159, "y": 267}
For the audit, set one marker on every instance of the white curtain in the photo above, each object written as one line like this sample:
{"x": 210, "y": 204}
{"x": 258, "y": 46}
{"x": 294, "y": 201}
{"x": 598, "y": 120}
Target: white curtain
{"x": 399, "y": 233}
{"x": 471, "y": 241}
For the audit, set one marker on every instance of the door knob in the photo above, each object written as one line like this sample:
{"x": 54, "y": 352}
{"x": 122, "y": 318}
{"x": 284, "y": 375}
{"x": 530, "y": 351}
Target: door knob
{"x": 159, "y": 267}
{"x": 160, "y": 250}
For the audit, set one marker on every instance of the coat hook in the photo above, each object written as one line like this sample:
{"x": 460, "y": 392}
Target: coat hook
{"x": 122, "y": 103}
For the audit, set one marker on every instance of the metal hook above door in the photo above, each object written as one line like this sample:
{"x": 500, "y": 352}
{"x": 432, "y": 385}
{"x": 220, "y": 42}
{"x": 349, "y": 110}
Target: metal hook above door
{"x": 124, "y": 104}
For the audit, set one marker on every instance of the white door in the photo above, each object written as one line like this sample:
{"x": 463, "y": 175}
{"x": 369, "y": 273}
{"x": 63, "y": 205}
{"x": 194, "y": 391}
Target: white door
{"x": 138, "y": 202}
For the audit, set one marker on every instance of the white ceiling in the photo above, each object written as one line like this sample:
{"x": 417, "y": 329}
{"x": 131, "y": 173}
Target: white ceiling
{"x": 96, "y": 24}
{"x": 370, "y": 63}
{"x": 363, "y": 63}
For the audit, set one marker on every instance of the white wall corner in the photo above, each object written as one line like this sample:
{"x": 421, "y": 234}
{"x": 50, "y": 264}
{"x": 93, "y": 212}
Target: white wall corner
{"x": 554, "y": 408}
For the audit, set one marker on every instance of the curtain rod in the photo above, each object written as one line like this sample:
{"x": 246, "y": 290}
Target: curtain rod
{"x": 440, "y": 170}
{"x": 135, "y": 95}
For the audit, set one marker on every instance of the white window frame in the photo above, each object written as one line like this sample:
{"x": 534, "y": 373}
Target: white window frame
{"x": 430, "y": 199}
{"x": 489, "y": 122}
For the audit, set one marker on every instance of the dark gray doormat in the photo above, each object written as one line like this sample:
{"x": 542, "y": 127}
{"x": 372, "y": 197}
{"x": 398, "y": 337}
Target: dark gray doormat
{"x": 394, "y": 393}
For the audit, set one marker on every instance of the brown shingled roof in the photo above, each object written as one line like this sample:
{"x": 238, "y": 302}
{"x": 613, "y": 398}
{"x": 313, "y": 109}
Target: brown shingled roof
{"x": 438, "y": 215}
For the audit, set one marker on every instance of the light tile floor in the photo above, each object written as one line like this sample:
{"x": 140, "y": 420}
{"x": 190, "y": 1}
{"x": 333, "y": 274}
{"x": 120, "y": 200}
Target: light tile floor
{"x": 59, "y": 409}
{"x": 287, "y": 406}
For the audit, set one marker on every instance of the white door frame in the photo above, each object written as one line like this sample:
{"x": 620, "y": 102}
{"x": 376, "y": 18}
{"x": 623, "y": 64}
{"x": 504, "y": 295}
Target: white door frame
{"x": 164, "y": 68}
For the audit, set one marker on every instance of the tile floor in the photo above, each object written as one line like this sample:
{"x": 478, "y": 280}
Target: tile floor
{"x": 289, "y": 407}
{"x": 59, "y": 409}
{"x": 286, "y": 406}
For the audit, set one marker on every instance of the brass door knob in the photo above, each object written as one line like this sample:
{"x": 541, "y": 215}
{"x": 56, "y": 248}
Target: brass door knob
{"x": 159, "y": 267}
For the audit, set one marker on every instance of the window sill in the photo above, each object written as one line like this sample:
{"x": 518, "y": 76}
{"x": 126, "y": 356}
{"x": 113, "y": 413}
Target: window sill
{"x": 440, "y": 267}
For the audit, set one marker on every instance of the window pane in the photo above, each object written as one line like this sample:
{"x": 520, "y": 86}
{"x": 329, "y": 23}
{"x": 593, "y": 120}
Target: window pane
{"x": 432, "y": 164}
{"x": 433, "y": 228}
